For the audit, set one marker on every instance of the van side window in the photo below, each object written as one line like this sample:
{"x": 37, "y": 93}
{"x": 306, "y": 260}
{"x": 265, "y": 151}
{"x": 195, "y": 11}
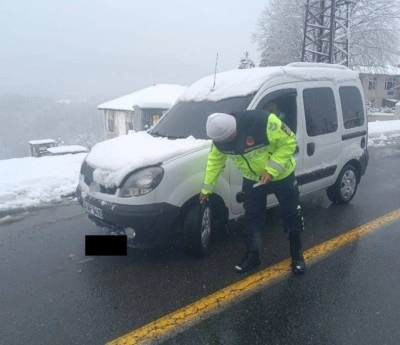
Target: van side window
{"x": 320, "y": 111}
{"x": 352, "y": 106}
{"x": 283, "y": 104}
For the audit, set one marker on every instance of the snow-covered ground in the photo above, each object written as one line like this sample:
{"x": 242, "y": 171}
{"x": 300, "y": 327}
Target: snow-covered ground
{"x": 383, "y": 133}
{"x": 34, "y": 182}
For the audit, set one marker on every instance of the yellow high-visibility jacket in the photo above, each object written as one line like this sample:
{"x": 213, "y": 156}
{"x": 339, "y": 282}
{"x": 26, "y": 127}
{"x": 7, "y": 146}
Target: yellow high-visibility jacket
{"x": 263, "y": 143}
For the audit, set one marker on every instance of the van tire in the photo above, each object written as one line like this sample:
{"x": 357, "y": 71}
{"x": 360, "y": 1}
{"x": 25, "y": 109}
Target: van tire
{"x": 197, "y": 229}
{"x": 345, "y": 187}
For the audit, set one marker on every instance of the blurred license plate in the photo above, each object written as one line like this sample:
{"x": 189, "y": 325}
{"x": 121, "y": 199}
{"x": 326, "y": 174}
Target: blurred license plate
{"x": 95, "y": 211}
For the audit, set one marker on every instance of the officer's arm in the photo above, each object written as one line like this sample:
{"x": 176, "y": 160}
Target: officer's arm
{"x": 215, "y": 164}
{"x": 285, "y": 142}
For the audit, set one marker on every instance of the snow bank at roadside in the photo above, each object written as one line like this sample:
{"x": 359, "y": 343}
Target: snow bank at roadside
{"x": 383, "y": 133}
{"x": 30, "y": 182}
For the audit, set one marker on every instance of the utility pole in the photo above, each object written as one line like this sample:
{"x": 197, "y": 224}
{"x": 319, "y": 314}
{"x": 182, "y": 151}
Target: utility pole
{"x": 327, "y": 31}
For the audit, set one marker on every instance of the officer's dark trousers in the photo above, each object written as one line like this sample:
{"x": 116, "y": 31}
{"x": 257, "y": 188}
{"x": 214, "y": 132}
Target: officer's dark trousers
{"x": 255, "y": 202}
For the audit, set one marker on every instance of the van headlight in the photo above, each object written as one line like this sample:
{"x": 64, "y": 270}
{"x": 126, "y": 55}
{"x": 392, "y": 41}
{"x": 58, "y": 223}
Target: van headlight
{"x": 141, "y": 182}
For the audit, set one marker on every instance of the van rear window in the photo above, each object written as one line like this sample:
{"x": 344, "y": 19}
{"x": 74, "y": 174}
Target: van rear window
{"x": 320, "y": 111}
{"x": 352, "y": 106}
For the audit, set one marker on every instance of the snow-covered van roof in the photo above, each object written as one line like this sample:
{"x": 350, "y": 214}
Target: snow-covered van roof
{"x": 385, "y": 70}
{"x": 156, "y": 96}
{"x": 243, "y": 82}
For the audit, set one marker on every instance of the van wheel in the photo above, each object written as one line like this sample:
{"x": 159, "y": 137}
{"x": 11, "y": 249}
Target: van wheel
{"x": 197, "y": 227}
{"x": 345, "y": 187}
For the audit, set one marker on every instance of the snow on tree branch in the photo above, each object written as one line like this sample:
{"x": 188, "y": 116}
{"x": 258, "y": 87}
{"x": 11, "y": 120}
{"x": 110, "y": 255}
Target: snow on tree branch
{"x": 374, "y": 32}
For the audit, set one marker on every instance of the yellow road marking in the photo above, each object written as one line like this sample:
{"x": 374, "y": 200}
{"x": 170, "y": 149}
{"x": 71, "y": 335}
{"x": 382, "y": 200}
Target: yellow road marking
{"x": 193, "y": 313}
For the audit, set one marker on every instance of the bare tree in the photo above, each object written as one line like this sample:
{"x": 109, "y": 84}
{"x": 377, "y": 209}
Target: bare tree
{"x": 374, "y": 32}
{"x": 85, "y": 139}
{"x": 279, "y": 32}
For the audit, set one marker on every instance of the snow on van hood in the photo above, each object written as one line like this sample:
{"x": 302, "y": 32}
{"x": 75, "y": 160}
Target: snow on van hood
{"x": 114, "y": 159}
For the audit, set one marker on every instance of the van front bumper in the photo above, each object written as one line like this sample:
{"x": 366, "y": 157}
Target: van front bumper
{"x": 152, "y": 223}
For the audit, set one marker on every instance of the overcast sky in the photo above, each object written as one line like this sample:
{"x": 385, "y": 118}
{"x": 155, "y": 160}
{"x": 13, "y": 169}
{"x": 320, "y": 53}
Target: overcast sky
{"x": 97, "y": 48}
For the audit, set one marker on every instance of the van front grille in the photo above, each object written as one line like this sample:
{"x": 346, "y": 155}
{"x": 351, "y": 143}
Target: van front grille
{"x": 108, "y": 190}
{"x": 87, "y": 172}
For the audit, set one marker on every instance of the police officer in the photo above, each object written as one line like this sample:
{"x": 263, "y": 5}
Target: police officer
{"x": 262, "y": 147}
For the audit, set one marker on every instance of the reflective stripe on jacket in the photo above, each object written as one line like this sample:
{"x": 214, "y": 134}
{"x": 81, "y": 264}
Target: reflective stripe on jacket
{"x": 263, "y": 143}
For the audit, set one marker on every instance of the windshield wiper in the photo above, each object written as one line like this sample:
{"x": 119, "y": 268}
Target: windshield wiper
{"x": 157, "y": 134}
{"x": 176, "y": 137}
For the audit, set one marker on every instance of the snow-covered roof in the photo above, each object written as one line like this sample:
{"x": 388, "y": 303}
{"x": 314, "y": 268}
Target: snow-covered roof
{"x": 156, "y": 96}
{"x": 42, "y": 141}
{"x": 243, "y": 82}
{"x": 67, "y": 149}
{"x": 385, "y": 70}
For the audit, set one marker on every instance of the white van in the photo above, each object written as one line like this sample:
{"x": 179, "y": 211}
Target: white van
{"x": 147, "y": 184}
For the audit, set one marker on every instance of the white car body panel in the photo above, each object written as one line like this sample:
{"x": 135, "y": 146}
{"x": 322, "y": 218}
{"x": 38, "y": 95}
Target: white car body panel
{"x": 184, "y": 174}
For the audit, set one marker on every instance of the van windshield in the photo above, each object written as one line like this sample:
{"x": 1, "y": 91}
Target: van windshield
{"x": 188, "y": 118}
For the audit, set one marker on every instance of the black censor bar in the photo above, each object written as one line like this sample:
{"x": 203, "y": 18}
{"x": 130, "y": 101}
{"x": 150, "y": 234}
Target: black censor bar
{"x": 106, "y": 245}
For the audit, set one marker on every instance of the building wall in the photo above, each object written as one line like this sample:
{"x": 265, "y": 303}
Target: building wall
{"x": 120, "y": 117}
{"x": 380, "y": 93}
{"x": 397, "y": 112}
{"x": 138, "y": 117}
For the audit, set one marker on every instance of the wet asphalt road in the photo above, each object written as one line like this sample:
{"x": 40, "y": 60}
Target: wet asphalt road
{"x": 352, "y": 297}
{"x": 50, "y": 293}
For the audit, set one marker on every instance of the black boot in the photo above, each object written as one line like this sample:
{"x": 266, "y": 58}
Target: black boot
{"x": 250, "y": 260}
{"x": 296, "y": 252}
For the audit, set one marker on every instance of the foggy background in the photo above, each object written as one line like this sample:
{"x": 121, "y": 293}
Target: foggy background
{"x": 60, "y": 59}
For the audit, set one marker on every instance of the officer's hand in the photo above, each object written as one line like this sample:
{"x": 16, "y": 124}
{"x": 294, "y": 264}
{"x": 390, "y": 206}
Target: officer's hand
{"x": 203, "y": 198}
{"x": 265, "y": 178}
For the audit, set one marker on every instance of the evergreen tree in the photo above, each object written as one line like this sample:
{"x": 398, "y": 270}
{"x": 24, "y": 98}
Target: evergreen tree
{"x": 246, "y": 62}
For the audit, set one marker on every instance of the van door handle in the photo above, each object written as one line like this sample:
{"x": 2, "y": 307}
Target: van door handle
{"x": 310, "y": 149}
